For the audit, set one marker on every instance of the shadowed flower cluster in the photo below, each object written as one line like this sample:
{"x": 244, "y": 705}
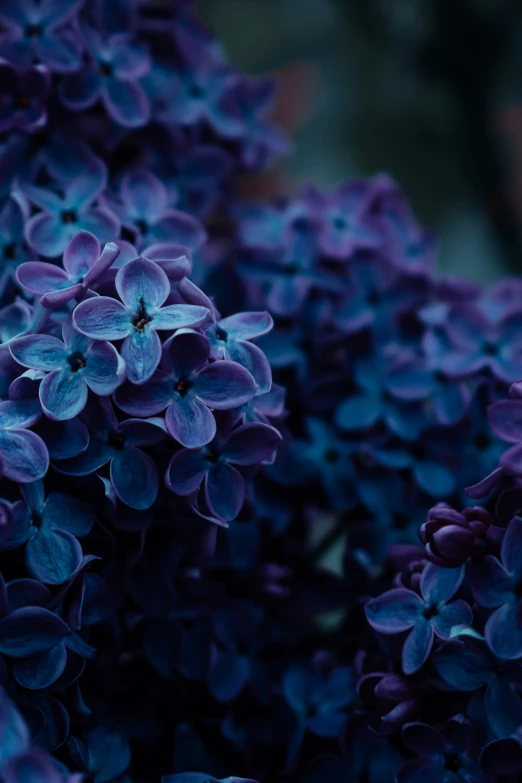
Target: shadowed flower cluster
{"x": 222, "y": 425}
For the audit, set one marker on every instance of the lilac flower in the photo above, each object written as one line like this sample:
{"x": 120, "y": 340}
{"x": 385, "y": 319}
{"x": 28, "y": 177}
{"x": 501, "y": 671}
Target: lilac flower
{"x": 410, "y": 247}
{"x": 36, "y": 32}
{"x": 133, "y": 473}
{"x": 50, "y": 527}
{"x": 423, "y": 616}
{"x": 477, "y": 344}
{"x": 345, "y": 225}
{"x": 318, "y": 698}
{"x": 468, "y": 666}
{"x": 83, "y": 265}
{"x": 189, "y": 388}
{"x": 23, "y": 454}
{"x": 496, "y": 585}
{"x": 254, "y": 101}
{"x": 216, "y": 466}
{"x": 106, "y": 754}
{"x": 200, "y": 93}
{"x": 230, "y": 337}
{"x": 146, "y": 213}
{"x": 441, "y": 758}
{"x": 74, "y": 366}
{"x": 22, "y": 98}
{"x": 143, "y": 287}
{"x": 112, "y": 75}
{"x": 375, "y": 401}
{"x": 62, "y": 217}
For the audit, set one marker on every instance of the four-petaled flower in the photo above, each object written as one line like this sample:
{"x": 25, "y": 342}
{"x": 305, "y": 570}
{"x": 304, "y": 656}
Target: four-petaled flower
{"x": 74, "y": 366}
{"x": 431, "y": 612}
{"x": 143, "y": 287}
{"x": 189, "y": 388}
{"x": 216, "y": 465}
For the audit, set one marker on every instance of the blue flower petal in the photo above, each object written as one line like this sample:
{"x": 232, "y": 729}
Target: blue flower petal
{"x": 30, "y": 630}
{"x": 52, "y": 556}
{"x": 135, "y": 478}
{"x": 63, "y": 394}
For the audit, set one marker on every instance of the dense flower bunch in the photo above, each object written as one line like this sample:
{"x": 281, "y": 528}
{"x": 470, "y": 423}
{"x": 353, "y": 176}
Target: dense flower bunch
{"x": 174, "y": 472}
{"x": 388, "y": 369}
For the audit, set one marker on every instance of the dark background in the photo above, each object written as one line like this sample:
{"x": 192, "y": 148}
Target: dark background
{"x": 429, "y": 91}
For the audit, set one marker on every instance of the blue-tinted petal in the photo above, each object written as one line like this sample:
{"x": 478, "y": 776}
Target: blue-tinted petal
{"x": 190, "y": 422}
{"x": 24, "y": 456}
{"x": 224, "y": 491}
{"x": 440, "y": 584}
{"x": 64, "y": 439}
{"x": 142, "y": 282}
{"x": 504, "y": 633}
{"x": 503, "y": 707}
{"x": 41, "y": 669}
{"x": 417, "y": 646}
{"x": 435, "y": 479}
{"x": 134, "y": 478}
{"x": 52, "y": 556}
{"x": 394, "y": 611}
{"x": 126, "y": 102}
{"x": 358, "y": 412}
{"x": 102, "y": 318}
{"x": 63, "y": 394}
{"x": 511, "y": 551}
{"x": 141, "y": 351}
{"x": 186, "y": 471}
{"x": 103, "y": 369}
{"x": 228, "y": 675}
{"x": 224, "y": 385}
{"x": 109, "y": 754}
{"x": 457, "y": 613}
{"x": 39, "y": 352}
{"x": 462, "y": 667}
{"x": 254, "y": 360}
{"x": 29, "y": 630}
{"x": 68, "y": 513}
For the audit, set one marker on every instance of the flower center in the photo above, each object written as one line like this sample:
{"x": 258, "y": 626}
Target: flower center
{"x": 21, "y": 101}
{"x": 142, "y": 318}
{"x": 69, "y": 216}
{"x": 142, "y": 226}
{"x": 195, "y": 91}
{"x": 332, "y": 455}
{"x": 10, "y": 252}
{"x": 221, "y": 334}
{"x": 116, "y": 441}
{"x": 36, "y": 520}
{"x": 105, "y": 69}
{"x": 373, "y": 299}
{"x": 430, "y": 612}
{"x": 182, "y": 386}
{"x": 339, "y": 224}
{"x": 453, "y": 764}
{"x": 482, "y": 441}
{"x": 76, "y": 361}
{"x": 33, "y": 31}
{"x": 490, "y": 349}
{"x": 212, "y": 456}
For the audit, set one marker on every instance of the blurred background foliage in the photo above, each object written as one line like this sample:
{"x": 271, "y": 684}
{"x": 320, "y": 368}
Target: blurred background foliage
{"x": 429, "y": 91}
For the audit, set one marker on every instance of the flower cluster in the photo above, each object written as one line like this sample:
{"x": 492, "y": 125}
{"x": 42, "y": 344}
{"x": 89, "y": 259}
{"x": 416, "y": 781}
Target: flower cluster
{"x": 388, "y": 369}
{"x": 168, "y": 512}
